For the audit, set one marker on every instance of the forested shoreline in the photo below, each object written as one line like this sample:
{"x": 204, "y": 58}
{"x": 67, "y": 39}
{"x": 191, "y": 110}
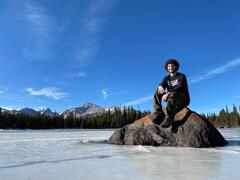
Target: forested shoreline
{"x": 225, "y": 118}
{"x": 110, "y": 119}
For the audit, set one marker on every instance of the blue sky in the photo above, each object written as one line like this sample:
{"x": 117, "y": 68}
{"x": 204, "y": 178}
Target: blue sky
{"x": 64, "y": 53}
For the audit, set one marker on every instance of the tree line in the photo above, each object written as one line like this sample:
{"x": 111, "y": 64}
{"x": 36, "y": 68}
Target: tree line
{"x": 110, "y": 119}
{"x": 225, "y": 118}
{"x": 115, "y": 118}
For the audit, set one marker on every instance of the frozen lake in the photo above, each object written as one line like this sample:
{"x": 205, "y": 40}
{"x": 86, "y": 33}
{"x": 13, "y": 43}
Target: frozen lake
{"x": 82, "y": 154}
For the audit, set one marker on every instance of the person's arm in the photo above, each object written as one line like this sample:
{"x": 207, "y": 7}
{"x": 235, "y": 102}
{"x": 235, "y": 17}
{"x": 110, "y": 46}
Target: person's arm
{"x": 165, "y": 96}
{"x": 162, "y": 86}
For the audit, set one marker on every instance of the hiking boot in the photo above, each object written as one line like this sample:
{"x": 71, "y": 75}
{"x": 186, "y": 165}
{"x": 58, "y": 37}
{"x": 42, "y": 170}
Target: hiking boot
{"x": 167, "y": 122}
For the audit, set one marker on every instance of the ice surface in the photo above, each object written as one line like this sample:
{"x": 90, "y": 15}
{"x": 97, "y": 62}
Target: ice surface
{"x": 84, "y": 154}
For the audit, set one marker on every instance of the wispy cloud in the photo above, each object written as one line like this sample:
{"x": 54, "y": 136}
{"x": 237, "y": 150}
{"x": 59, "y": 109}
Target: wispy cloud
{"x": 139, "y": 101}
{"x": 40, "y": 30}
{"x": 87, "y": 45}
{"x": 237, "y": 96}
{"x": 51, "y": 92}
{"x": 80, "y": 74}
{"x": 219, "y": 70}
{"x": 3, "y": 90}
{"x": 16, "y": 98}
{"x": 105, "y": 93}
{"x": 46, "y": 78}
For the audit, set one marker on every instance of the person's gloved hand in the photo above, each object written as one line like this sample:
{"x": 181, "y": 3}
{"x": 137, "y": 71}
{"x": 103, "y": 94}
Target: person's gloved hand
{"x": 165, "y": 96}
{"x": 160, "y": 90}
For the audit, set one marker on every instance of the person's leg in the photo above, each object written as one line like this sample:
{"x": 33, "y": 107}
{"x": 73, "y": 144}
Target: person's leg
{"x": 181, "y": 101}
{"x": 169, "y": 116}
{"x": 176, "y": 102}
{"x": 157, "y": 102}
{"x": 158, "y": 114}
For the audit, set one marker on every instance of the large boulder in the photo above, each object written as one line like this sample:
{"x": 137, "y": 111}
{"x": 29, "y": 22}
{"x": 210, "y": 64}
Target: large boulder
{"x": 189, "y": 130}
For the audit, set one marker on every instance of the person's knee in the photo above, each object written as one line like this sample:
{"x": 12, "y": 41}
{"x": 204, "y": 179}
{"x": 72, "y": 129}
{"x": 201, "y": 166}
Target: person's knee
{"x": 171, "y": 99}
{"x": 171, "y": 102}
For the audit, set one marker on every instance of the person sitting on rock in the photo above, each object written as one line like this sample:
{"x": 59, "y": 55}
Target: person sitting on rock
{"x": 176, "y": 94}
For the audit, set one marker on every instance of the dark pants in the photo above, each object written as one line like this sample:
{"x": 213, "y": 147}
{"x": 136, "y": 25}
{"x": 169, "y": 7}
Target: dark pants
{"x": 175, "y": 102}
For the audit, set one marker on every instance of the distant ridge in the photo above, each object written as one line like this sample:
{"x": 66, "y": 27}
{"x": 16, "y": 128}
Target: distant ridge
{"x": 85, "y": 109}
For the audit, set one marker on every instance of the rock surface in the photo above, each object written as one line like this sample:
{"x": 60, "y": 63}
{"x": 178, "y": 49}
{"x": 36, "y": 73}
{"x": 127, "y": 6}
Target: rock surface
{"x": 188, "y": 130}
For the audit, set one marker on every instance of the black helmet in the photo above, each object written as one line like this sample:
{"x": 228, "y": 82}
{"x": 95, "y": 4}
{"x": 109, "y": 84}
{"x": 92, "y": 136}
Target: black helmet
{"x": 172, "y": 61}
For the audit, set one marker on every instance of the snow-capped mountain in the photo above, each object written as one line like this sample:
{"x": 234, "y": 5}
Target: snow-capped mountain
{"x": 28, "y": 111}
{"x": 47, "y": 112}
{"x": 85, "y": 109}
{"x": 111, "y": 109}
{"x": 12, "y": 111}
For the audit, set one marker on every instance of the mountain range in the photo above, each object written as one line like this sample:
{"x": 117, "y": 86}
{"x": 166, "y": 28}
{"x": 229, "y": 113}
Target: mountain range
{"x": 85, "y": 109}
